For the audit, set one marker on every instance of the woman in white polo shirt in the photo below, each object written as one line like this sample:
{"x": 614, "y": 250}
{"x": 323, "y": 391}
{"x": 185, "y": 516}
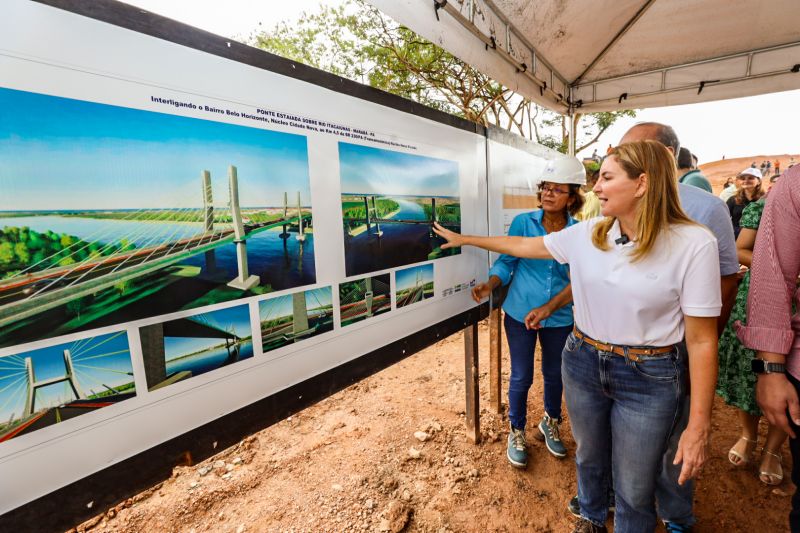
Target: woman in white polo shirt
{"x": 643, "y": 277}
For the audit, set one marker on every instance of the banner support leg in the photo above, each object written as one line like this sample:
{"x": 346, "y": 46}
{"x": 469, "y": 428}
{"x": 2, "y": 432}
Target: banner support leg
{"x": 495, "y": 361}
{"x": 471, "y": 381}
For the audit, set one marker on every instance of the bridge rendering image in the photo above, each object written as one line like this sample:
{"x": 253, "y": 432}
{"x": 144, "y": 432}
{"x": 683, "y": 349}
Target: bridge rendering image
{"x": 179, "y": 349}
{"x": 152, "y": 214}
{"x": 46, "y": 386}
{"x": 390, "y": 201}
{"x": 364, "y": 298}
{"x": 414, "y": 284}
{"x": 293, "y": 317}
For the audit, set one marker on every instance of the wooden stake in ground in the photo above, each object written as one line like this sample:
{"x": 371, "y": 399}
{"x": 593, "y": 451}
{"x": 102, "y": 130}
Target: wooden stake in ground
{"x": 495, "y": 358}
{"x": 471, "y": 382}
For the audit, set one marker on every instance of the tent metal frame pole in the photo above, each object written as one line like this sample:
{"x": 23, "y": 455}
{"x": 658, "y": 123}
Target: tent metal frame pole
{"x": 573, "y": 127}
{"x": 532, "y": 49}
{"x": 546, "y": 86}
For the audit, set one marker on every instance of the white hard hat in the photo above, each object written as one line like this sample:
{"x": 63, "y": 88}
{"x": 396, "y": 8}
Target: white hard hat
{"x": 564, "y": 170}
{"x": 750, "y": 171}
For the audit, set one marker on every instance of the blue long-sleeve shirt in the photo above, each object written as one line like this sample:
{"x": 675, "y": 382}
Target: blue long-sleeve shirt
{"x": 534, "y": 282}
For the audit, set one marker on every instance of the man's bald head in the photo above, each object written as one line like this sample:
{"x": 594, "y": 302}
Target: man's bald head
{"x": 653, "y": 131}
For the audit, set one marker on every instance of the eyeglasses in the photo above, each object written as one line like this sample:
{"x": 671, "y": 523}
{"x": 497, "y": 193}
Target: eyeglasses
{"x": 552, "y": 189}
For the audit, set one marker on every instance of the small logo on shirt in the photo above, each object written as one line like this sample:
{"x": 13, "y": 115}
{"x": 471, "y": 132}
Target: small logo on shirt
{"x": 651, "y": 275}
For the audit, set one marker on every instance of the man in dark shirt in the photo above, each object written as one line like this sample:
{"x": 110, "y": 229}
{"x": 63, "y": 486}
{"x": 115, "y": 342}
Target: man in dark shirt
{"x": 690, "y": 174}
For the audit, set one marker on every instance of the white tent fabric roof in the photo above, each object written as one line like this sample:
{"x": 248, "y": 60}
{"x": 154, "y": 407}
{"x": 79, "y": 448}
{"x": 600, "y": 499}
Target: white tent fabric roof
{"x": 618, "y": 54}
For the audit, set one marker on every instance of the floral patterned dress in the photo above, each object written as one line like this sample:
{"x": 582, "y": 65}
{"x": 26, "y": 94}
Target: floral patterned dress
{"x": 737, "y": 383}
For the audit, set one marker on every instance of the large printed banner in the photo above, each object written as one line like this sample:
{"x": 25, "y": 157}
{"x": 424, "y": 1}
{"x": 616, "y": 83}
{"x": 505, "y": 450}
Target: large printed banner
{"x": 182, "y": 235}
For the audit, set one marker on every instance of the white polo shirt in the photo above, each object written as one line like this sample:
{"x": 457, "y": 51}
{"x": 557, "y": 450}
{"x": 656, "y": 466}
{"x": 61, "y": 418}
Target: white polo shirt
{"x": 641, "y": 303}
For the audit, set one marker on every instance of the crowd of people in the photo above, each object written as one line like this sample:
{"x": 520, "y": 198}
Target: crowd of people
{"x": 648, "y": 295}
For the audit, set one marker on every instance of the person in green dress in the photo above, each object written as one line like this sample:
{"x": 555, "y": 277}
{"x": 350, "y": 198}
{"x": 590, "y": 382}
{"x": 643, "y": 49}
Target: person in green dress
{"x": 737, "y": 383}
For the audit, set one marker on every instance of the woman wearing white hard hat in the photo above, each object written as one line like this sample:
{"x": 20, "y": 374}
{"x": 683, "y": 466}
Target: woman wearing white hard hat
{"x": 538, "y": 307}
{"x": 748, "y": 190}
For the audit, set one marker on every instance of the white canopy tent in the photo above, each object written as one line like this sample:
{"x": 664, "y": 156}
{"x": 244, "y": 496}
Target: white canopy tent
{"x": 582, "y": 56}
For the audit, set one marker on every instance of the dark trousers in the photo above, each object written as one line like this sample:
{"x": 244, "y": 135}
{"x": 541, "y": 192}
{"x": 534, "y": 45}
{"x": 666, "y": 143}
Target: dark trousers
{"x": 521, "y": 345}
{"x": 794, "y": 447}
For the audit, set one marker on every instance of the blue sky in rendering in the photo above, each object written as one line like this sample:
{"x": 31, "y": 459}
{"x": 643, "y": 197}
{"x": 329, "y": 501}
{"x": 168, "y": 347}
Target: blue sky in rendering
{"x": 98, "y": 361}
{"x": 235, "y": 320}
{"x": 282, "y": 305}
{"x": 375, "y": 171}
{"x": 60, "y": 153}
{"x": 407, "y": 278}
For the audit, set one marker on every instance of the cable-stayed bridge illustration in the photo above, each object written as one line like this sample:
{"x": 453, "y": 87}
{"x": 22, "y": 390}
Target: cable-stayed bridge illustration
{"x": 88, "y": 371}
{"x": 415, "y": 294}
{"x": 372, "y": 218}
{"x": 294, "y": 317}
{"x": 364, "y": 298}
{"x": 72, "y": 273}
{"x": 384, "y": 230}
{"x": 196, "y": 327}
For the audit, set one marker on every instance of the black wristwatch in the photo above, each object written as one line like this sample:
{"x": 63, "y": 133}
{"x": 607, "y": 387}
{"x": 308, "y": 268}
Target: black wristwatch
{"x": 759, "y": 366}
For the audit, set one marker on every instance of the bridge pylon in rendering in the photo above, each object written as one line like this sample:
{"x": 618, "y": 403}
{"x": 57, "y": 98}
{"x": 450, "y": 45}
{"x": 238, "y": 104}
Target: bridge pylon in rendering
{"x": 301, "y": 236}
{"x": 299, "y": 314}
{"x": 208, "y": 218}
{"x": 368, "y": 295}
{"x": 244, "y": 281}
{"x": 33, "y": 385}
{"x": 285, "y": 232}
{"x": 371, "y": 215}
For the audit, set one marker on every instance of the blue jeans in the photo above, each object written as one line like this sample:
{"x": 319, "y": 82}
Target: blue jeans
{"x": 794, "y": 448}
{"x": 675, "y": 502}
{"x": 521, "y": 345}
{"x": 622, "y": 415}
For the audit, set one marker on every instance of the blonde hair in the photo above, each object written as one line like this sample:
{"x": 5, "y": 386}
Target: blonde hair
{"x": 659, "y": 207}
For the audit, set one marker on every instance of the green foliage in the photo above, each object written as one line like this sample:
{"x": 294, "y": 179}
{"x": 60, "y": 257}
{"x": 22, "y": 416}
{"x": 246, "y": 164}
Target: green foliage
{"x": 74, "y": 307}
{"x": 150, "y": 215}
{"x": 356, "y": 41}
{"x": 7, "y": 254}
{"x": 445, "y": 213}
{"x": 591, "y": 166}
{"x": 23, "y": 248}
{"x": 354, "y": 213}
{"x": 119, "y": 389}
{"x": 123, "y": 287}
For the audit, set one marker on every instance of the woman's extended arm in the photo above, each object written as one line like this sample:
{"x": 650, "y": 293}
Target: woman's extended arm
{"x": 701, "y": 342}
{"x": 527, "y": 247}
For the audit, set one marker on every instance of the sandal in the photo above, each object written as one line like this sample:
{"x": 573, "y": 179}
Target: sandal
{"x": 741, "y": 458}
{"x": 767, "y": 477}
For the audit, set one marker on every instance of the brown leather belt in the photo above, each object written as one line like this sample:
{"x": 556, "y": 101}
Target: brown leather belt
{"x": 634, "y": 354}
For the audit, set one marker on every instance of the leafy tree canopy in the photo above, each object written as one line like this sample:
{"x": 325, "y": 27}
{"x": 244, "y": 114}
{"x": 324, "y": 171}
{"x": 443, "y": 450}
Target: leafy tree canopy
{"x": 357, "y": 41}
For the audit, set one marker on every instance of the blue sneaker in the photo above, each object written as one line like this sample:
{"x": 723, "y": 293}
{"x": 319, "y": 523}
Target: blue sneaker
{"x": 548, "y": 428}
{"x": 674, "y": 527}
{"x": 517, "y": 452}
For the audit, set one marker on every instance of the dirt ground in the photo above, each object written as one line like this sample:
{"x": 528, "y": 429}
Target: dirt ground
{"x": 718, "y": 171}
{"x": 358, "y": 462}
